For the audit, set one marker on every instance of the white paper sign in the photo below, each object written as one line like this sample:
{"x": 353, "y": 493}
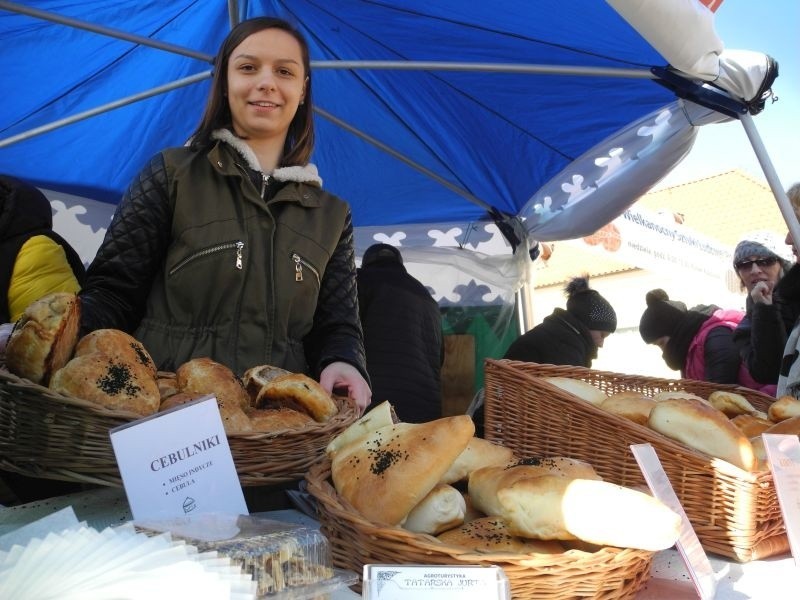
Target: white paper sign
{"x": 783, "y": 454}
{"x": 435, "y": 582}
{"x": 688, "y": 545}
{"x": 178, "y": 463}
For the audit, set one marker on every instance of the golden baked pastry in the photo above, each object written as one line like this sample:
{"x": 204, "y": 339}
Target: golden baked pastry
{"x": 44, "y": 337}
{"x": 206, "y": 376}
{"x": 751, "y": 425}
{"x": 386, "y": 473}
{"x": 478, "y": 453}
{"x": 443, "y": 508}
{"x": 731, "y": 403}
{"x": 577, "y": 387}
{"x": 257, "y": 377}
{"x": 633, "y": 406}
{"x": 491, "y": 534}
{"x": 783, "y": 408}
{"x": 702, "y": 427}
{"x": 299, "y": 392}
{"x": 110, "y": 382}
{"x": 118, "y": 344}
{"x": 277, "y": 419}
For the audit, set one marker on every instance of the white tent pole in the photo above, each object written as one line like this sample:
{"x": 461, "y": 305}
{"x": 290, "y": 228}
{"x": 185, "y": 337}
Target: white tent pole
{"x": 104, "y": 108}
{"x": 534, "y": 69}
{"x": 772, "y": 178}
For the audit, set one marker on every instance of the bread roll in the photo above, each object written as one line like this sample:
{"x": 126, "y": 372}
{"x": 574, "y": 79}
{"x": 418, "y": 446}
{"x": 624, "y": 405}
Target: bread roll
{"x": 678, "y": 394}
{"x": 760, "y": 453}
{"x": 388, "y": 472}
{"x": 256, "y": 378}
{"x": 479, "y": 453}
{"x": 702, "y": 427}
{"x": 783, "y": 408}
{"x": 790, "y": 426}
{"x": 377, "y": 417}
{"x": 442, "y": 509}
{"x": 278, "y": 419}
{"x": 117, "y": 344}
{"x": 751, "y": 425}
{"x": 484, "y": 483}
{"x": 44, "y": 337}
{"x": 299, "y": 392}
{"x": 491, "y": 534}
{"x": 177, "y": 399}
{"x": 561, "y": 465}
{"x": 633, "y": 406}
{"x": 167, "y": 386}
{"x": 599, "y": 512}
{"x": 581, "y": 389}
{"x": 109, "y": 382}
{"x": 205, "y": 376}
{"x": 730, "y": 403}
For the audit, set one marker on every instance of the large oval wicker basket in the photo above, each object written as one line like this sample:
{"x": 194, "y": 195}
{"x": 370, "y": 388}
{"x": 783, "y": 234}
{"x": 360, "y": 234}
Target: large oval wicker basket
{"x": 610, "y": 573}
{"x": 55, "y": 436}
{"x": 734, "y": 513}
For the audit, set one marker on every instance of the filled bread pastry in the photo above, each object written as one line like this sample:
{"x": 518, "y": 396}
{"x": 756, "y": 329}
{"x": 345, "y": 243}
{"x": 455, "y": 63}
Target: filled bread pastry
{"x": 44, "y": 337}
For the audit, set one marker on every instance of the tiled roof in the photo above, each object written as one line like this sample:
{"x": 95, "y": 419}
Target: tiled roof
{"x": 723, "y": 207}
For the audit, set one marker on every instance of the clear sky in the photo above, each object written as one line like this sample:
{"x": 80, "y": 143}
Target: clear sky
{"x": 771, "y": 27}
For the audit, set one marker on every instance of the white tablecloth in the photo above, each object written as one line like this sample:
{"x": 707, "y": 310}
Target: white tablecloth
{"x": 772, "y": 579}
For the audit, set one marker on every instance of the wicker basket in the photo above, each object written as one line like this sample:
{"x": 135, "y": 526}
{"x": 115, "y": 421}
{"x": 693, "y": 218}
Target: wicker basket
{"x": 734, "y": 513}
{"x": 47, "y": 434}
{"x": 609, "y": 573}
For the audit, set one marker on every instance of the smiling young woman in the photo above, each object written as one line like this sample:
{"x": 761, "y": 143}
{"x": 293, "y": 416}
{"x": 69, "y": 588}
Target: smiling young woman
{"x": 228, "y": 247}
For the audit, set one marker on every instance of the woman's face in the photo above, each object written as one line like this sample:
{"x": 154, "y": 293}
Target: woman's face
{"x": 266, "y": 83}
{"x": 754, "y": 269}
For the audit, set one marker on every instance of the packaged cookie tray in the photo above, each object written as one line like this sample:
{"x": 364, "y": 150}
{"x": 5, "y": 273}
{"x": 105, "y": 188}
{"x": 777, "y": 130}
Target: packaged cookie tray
{"x": 609, "y": 573}
{"x": 287, "y": 561}
{"x": 51, "y": 435}
{"x": 734, "y": 513}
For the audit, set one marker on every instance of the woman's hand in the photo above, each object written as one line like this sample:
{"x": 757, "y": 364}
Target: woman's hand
{"x": 761, "y": 293}
{"x": 345, "y": 376}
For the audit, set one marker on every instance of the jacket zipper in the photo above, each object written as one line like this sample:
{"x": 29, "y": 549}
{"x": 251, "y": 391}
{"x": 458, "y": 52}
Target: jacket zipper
{"x": 239, "y": 245}
{"x": 299, "y": 263}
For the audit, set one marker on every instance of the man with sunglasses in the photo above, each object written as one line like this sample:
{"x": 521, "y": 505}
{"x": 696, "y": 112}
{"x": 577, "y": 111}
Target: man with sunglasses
{"x": 760, "y": 261}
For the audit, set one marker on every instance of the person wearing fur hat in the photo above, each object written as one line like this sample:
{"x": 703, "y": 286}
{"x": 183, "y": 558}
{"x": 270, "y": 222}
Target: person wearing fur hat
{"x": 571, "y": 336}
{"x": 698, "y": 342}
{"x": 761, "y": 260}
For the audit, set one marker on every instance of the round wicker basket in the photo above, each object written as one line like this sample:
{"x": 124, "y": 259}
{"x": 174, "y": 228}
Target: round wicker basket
{"x": 610, "y": 573}
{"x": 55, "y": 436}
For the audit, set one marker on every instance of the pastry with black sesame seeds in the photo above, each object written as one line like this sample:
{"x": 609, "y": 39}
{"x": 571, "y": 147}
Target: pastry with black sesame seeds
{"x": 386, "y": 473}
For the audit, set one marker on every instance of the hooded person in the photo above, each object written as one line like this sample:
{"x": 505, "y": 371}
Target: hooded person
{"x": 403, "y": 337}
{"x": 698, "y": 342}
{"x": 761, "y": 261}
{"x": 569, "y": 336}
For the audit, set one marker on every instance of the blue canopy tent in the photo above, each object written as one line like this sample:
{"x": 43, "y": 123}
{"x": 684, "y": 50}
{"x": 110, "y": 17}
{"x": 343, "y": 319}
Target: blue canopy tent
{"x": 451, "y": 127}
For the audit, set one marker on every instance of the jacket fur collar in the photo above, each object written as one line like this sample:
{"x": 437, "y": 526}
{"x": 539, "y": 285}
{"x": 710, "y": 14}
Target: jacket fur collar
{"x": 301, "y": 174}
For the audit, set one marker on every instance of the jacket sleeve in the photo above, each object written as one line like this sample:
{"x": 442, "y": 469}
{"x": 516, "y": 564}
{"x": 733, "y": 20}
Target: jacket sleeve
{"x": 760, "y": 339}
{"x": 721, "y": 358}
{"x": 119, "y": 279}
{"x": 336, "y": 334}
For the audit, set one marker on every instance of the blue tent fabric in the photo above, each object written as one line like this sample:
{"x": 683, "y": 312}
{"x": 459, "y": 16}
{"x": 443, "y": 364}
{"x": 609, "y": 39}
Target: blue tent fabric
{"x": 498, "y": 136}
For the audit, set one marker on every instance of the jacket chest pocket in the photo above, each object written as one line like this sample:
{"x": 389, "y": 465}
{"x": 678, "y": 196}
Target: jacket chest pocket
{"x": 207, "y": 281}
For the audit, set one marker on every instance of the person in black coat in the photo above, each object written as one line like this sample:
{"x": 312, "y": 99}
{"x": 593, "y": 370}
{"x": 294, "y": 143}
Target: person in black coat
{"x": 402, "y": 336}
{"x": 571, "y": 336}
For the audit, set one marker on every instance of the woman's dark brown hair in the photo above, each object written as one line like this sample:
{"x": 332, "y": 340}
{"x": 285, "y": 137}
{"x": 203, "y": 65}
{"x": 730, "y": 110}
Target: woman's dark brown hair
{"x": 217, "y": 115}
